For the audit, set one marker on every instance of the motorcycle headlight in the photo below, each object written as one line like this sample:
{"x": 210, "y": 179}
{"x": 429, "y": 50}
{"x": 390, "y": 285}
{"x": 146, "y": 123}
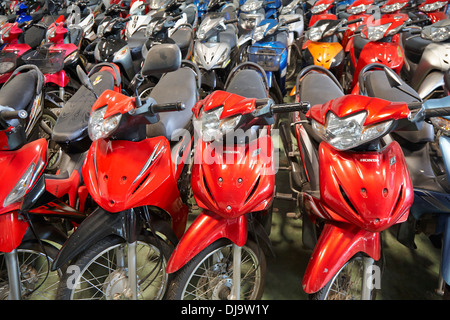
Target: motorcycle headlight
{"x": 432, "y": 6}
{"x": 251, "y": 5}
{"x": 21, "y": 187}
{"x": 375, "y": 33}
{"x": 358, "y": 9}
{"x": 315, "y": 33}
{"x": 211, "y": 127}
{"x": 289, "y": 8}
{"x": 437, "y": 34}
{"x": 71, "y": 57}
{"x": 99, "y": 127}
{"x": 320, "y": 8}
{"x": 349, "y": 132}
{"x": 393, "y": 7}
{"x": 259, "y": 32}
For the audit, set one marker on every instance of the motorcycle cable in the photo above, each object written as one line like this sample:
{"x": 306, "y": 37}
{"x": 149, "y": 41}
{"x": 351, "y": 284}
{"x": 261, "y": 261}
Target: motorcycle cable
{"x": 28, "y": 220}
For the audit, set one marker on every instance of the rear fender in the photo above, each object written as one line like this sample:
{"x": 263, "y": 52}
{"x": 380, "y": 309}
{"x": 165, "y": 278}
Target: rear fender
{"x": 336, "y": 245}
{"x": 207, "y": 228}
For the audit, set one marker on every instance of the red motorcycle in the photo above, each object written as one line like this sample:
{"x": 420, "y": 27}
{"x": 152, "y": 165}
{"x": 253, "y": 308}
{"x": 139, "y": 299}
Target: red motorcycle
{"x": 377, "y": 42}
{"x": 434, "y": 9}
{"x": 138, "y": 178}
{"x": 354, "y": 185}
{"x": 58, "y": 58}
{"x": 321, "y": 10}
{"x": 392, "y": 9}
{"x": 18, "y": 40}
{"x": 358, "y": 11}
{"x": 222, "y": 254}
{"x": 28, "y": 236}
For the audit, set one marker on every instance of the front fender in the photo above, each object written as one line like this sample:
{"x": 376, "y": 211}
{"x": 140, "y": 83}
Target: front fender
{"x": 95, "y": 227}
{"x": 336, "y": 245}
{"x": 207, "y": 228}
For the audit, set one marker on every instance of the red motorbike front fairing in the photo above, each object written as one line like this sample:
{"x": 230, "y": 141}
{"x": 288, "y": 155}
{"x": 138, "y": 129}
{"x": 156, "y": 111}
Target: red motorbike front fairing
{"x": 234, "y": 180}
{"x": 121, "y": 175}
{"x": 33, "y": 154}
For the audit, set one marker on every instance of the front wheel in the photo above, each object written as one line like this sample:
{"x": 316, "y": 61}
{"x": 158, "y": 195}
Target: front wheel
{"x": 209, "y": 275}
{"x": 358, "y": 279}
{"x": 101, "y": 272}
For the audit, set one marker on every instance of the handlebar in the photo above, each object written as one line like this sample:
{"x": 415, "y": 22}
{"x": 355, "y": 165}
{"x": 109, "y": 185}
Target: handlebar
{"x": 10, "y": 115}
{"x": 167, "y": 107}
{"x": 269, "y": 108}
{"x": 429, "y": 109}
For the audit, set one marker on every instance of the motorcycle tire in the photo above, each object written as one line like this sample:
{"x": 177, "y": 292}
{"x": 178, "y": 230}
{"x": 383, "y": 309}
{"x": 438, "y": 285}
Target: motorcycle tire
{"x": 210, "y": 274}
{"x": 346, "y": 284}
{"x": 38, "y": 281}
{"x": 96, "y": 275}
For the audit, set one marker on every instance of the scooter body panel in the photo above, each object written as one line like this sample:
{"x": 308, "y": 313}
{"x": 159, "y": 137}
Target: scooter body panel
{"x": 147, "y": 179}
{"x": 207, "y": 228}
{"x": 336, "y": 245}
{"x": 325, "y": 53}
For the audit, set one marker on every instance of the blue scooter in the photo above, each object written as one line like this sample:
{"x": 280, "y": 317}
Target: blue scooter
{"x": 268, "y": 48}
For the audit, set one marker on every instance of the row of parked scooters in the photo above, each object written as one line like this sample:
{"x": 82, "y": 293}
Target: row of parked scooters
{"x": 119, "y": 118}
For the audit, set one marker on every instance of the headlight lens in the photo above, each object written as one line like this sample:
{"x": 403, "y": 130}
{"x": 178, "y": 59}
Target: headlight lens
{"x": 211, "y": 127}
{"x": 21, "y": 187}
{"x": 289, "y": 8}
{"x": 251, "y": 5}
{"x": 99, "y": 127}
{"x": 259, "y": 32}
{"x": 315, "y": 33}
{"x": 349, "y": 132}
{"x": 437, "y": 34}
{"x": 320, "y": 8}
{"x": 375, "y": 33}
{"x": 432, "y": 6}
{"x": 358, "y": 9}
{"x": 393, "y": 7}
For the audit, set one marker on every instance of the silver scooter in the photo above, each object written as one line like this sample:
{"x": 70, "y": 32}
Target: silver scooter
{"x": 427, "y": 52}
{"x": 215, "y": 49}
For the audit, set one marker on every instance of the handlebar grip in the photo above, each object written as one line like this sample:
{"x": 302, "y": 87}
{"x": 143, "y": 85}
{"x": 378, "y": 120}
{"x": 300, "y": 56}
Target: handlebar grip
{"x": 10, "y": 115}
{"x": 293, "y": 20}
{"x": 437, "y": 112}
{"x": 354, "y": 21}
{"x": 290, "y": 107}
{"x": 231, "y": 21}
{"x": 168, "y": 107}
{"x": 415, "y": 105}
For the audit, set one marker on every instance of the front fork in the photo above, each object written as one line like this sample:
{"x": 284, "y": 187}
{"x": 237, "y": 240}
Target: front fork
{"x": 367, "y": 285}
{"x": 12, "y": 264}
{"x": 236, "y": 289}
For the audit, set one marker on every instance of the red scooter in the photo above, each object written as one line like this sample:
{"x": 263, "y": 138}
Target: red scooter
{"x": 14, "y": 48}
{"x": 434, "y": 9}
{"x": 321, "y": 10}
{"x": 358, "y": 11}
{"x": 392, "y": 9}
{"x": 354, "y": 184}
{"x": 27, "y": 235}
{"x": 222, "y": 254}
{"x": 137, "y": 178}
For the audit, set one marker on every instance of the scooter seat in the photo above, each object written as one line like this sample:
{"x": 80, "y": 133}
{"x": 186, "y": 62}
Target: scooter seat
{"x": 247, "y": 83}
{"x": 19, "y": 92}
{"x": 414, "y": 46}
{"x": 318, "y": 88}
{"x": 34, "y": 36}
{"x": 179, "y": 85}
{"x": 182, "y": 38}
{"x": 70, "y": 130}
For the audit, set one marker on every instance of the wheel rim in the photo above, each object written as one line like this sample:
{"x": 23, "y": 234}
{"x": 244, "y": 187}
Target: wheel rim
{"x": 347, "y": 283}
{"x": 105, "y": 276}
{"x": 212, "y": 278}
{"x": 37, "y": 282}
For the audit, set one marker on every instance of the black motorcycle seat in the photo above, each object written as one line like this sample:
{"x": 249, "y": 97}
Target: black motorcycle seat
{"x": 377, "y": 85}
{"x": 72, "y": 123}
{"x": 414, "y": 46}
{"x": 247, "y": 83}
{"x": 318, "y": 88}
{"x": 34, "y": 36}
{"x": 182, "y": 37}
{"x": 18, "y": 93}
{"x": 179, "y": 85}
